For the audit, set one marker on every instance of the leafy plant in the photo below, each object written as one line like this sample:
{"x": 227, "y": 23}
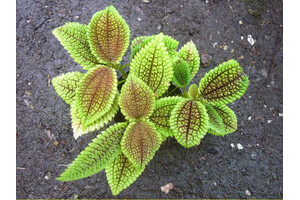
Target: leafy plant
{"x": 152, "y": 109}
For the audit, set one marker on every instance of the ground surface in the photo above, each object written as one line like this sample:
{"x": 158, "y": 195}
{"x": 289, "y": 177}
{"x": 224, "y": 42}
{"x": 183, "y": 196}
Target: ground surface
{"x": 214, "y": 169}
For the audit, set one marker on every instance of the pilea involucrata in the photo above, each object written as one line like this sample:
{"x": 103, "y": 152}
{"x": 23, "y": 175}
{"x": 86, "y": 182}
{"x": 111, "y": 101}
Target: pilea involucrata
{"x": 152, "y": 112}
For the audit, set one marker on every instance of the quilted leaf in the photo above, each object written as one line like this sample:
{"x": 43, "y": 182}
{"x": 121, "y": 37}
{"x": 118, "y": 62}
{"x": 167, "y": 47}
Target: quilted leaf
{"x": 138, "y": 43}
{"x": 162, "y": 113}
{"x": 74, "y": 38}
{"x": 121, "y": 173}
{"x": 140, "y": 142}
{"x": 95, "y": 94}
{"x": 182, "y": 76}
{"x": 136, "y": 99}
{"x": 189, "y": 122}
{"x": 99, "y": 154}
{"x": 193, "y": 91}
{"x": 153, "y": 65}
{"x": 108, "y": 35}
{"x": 66, "y": 84}
{"x": 190, "y": 54}
{"x": 215, "y": 121}
{"x": 97, "y": 125}
{"x": 223, "y": 84}
{"x": 228, "y": 118}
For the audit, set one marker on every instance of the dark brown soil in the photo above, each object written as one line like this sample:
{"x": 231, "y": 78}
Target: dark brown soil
{"x": 213, "y": 169}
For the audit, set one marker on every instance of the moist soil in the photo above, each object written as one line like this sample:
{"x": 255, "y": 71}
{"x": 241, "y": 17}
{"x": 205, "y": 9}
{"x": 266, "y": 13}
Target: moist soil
{"x": 245, "y": 164}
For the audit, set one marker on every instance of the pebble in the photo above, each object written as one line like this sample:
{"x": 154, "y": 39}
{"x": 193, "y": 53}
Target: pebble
{"x": 249, "y": 118}
{"x": 250, "y": 40}
{"x": 225, "y": 47}
{"x": 280, "y": 114}
{"x": 240, "y": 22}
{"x": 267, "y": 37}
{"x": 215, "y": 184}
{"x": 257, "y": 144}
{"x": 29, "y": 83}
{"x": 166, "y": 188}
{"x": 76, "y": 17}
{"x": 232, "y": 51}
{"x": 146, "y": 1}
{"x": 253, "y": 155}
{"x": 159, "y": 27}
{"x": 248, "y": 193}
{"x": 215, "y": 44}
{"x": 249, "y": 97}
{"x": 232, "y": 145}
{"x": 206, "y": 1}
{"x": 139, "y": 19}
{"x": 47, "y": 177}
{"x": 265, "y": 106}
{"x": 239, "y": 146}
{"x": 242, "y": 37}
{"x": 269, "y": 121}
{"x": 264, "y": 72}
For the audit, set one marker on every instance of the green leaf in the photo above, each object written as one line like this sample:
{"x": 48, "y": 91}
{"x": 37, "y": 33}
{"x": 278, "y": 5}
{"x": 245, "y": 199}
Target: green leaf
{"x": 162, "y": 113}
{"x": 95, "y": 94}
{"x": 215, "y": 121}
{"x": 153, "y": 65}
{"x": 140, "y": 142}
{"x": 74, "y": 39}
{"x": 189, "y": 122}
{"x": 138, "y": 43}
{"x": 121, "y": 173}
{"x": 229, "y": 120}
{"x": 108, "y": 35}
{"x": 99, "y": 154}
{"x": 137, "y": 99}
{"x": 182, "y": 76}
{"x": 193, "y": 91}
{"x": 190, "y": 54}
{"x": 66, "y": 84}
{"x": 97, "y": 125}
{"x": 224, "y": 84}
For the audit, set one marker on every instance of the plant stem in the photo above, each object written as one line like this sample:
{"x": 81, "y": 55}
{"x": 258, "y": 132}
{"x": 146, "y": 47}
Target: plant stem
{"x": 123, "y": 73}
{"x": 123, "y": 66}
{"x": 172, "y": 91}
{"x": 122, "y": 81}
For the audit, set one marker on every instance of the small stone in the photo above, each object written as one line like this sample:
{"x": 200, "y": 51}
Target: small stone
{"x": 77, "y": 17}
{"x": 146, "y": 1}
{"x": 218, "y": 32}
{"x": 76, "y": 196}
{"x": 269, "y": 121}
{"x": 250, "y": 40}
{"x": 232, "y": 51}
{"x": 232, "y": 145}
{"x": 267, "y": 37}
{"x": 139, "y": 19}
{"x": 28, "y": 21}
{"x": 205, "y": 59}
{"x": 225, "y": 47}
{"x": 215, "y": 184}
{"x": 280, "y": 114}
{"x": 248, "y": 193}
{"x": 206, "y": 1}
{"x": 215, "y": 44}
{"x": 242, "y": 37}
{"x": 47, "y": 177}
{"x": 257, "y": 144}
{"x": 240, "y": 22}
{"x": 253, "y": 155}
{"x": 231, "y": 41}
{"x": 166, "y": 188}
{"x": 249, "y": 97}
{"x": 249, "y": 118}
{"x": 239, "y": 146}
{"x": 265, "y": 106}
{"x": 29, "y": 83}
{"x": 264, "y": 72}
{"x": 159, "y": 27}
{"x": 241, "y": 57}
{"x": 55, "y": 143}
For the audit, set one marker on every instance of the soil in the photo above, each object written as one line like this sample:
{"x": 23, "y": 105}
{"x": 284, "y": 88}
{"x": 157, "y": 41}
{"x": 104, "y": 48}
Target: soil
{"x": 215, "y": 169}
